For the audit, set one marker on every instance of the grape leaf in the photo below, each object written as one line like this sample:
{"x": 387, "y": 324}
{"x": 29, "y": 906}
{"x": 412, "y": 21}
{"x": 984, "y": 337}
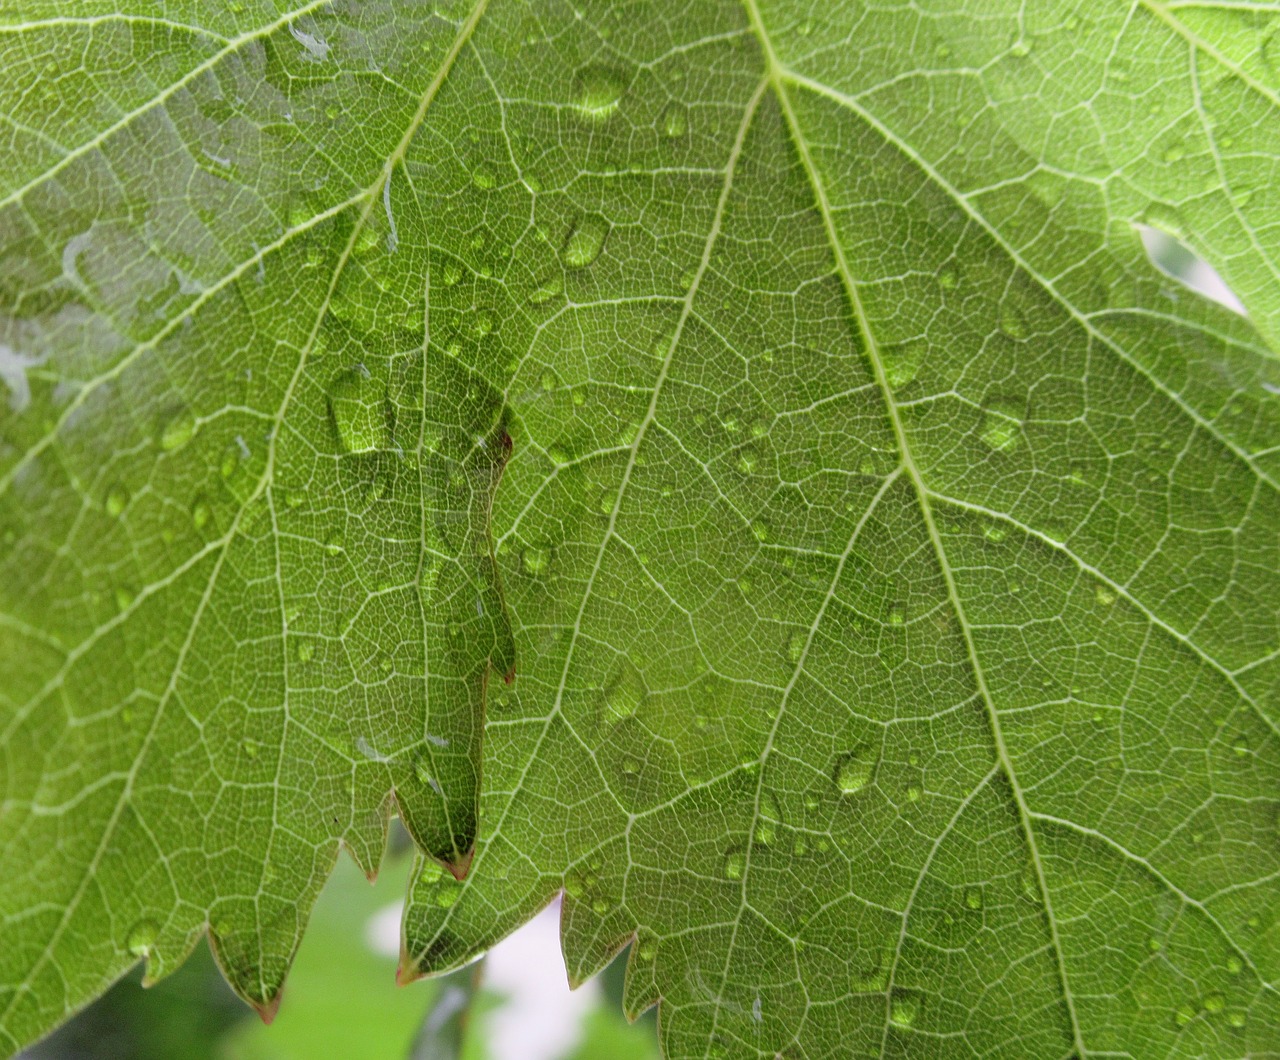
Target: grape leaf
{"x": 887, "y": 552}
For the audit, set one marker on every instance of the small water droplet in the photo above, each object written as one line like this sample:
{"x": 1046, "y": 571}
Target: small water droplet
{"x": 201, "y": 513}
{"x": 1241, "y": 745}
{"x": 250, "y": 747}
{"x": 795, "y": 646}
{"x": 357, "y": 403}
{"x": 624, "y": 693}
{"x": 546, "y": 290}
{"x": 583, "y": 245}
{"x": 1001, "y": 430}
{"x": 948, "y": 277}
{"x": 902, "y": 362}
{"x": 142, "y": 936}
{"x": 178, "y": 431}
{"x": 598, "y": 91}
{"x": 117, "y": 500}
{"x": 1234, "y": 965}
{"x": 482, "y": 177}
{"x": 973, "y": 897}
{"x": 647, "y": 947}
{"x": 481, "y": 323}
{"x": 675, "y": 121}
{"x": 904, "y": 1008}
{"x": 1185, "y": 1014}
{"x": 768, "y": 819}
{"x": 1104, "y": 596}
{"x": 124, "y": 598}
{"x": 1214, "y": 1003}
{"x": 734, "y": 864}
{"x": 1236, "y": 1019}
{"x": 334, "y": 544}
{"x": 854, "y": 771}
{"x": 447, "y": 893}
{"x": 535, "y": 561}
{"x": 748, "y": 460}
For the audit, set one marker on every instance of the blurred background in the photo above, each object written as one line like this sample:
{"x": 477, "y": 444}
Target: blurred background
{"x": 341, "y": 999}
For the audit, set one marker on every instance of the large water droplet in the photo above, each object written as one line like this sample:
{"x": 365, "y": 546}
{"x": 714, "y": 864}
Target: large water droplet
{"x": 358, "y": 404}
{"x": 546, "y": 290}
{"x": 854, "y": 771}
{"x": 584, "y": 242}
{"x": 597, "y": 92}
{"x": 142, "y": 936}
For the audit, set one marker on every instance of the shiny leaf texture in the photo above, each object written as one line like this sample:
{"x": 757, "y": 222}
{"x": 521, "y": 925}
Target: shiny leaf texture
{"x": 887, "y": 553}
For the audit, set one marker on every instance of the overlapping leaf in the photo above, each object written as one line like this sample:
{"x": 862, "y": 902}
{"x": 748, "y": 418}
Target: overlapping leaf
{"x": 890, "y": 552}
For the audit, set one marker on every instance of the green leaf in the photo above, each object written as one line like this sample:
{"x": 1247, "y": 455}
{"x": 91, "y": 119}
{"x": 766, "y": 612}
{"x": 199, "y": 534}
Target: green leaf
{"x": 887, "y": 551}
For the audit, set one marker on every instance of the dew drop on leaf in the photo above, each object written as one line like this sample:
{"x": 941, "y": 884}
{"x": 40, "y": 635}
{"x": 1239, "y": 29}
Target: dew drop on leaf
{"x": 142, "y": 936}
{"x": 546, "y": 290}
{"x": 597, "y": 92}
{"x": 357, "y": 403}
{"x": 675, "y": 121}
{"x": 624, "y": 693}
{"x": 535, "y": 561}
{"x": 583, "y": 245}
{"x": 853, "y": 771}
{"x": 973, "y": 897}
{"x": 904, "y": 1008}
{"x": 1001, "y": 430}
{"x": 117, "y": 500}
{"x": 178, "y": 431}
{"x": 734, "y": 863}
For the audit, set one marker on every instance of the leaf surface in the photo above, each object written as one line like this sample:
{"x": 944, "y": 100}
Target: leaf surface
{"x": 887, "y": 553}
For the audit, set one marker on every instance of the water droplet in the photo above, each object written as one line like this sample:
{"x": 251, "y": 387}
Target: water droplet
{"x": 334, "y": 544}
{"x": 1001, "y": 430}
{"x": 1185, "y": 1014}
{"x": 357, "y": 403}
{"x": 734, "y": 864}
{"x": 117, "y": 500}
{"x": 901, "y": 362}
{"x": 795, "y": 646}
{"x": 201, "y": 513}
{"x": 142, "y": 936}
{"x": 482, "y": 177}
{"x": 535, "y": 561}
{"x": 250, "y": 747}
{"x": 904, "y": 1008}
{"x": 1214, "y": 1003}
{"x": 1234, "y": 965}
{"x": 546, "y": 290}
{"x": 1236, "y": 1019}
{"x": 481, "y": 323}
{"x": 748, "y": 460}
{"x": 124, "y": 598}
{"x": 584, "y": 242}
{"x": 624, "y": 693}
{"x": 598, "y": 90}
{"x": 1020, "y": 49}
{"x": 447, "y": 893}
{"x": 913, "y": 794}
{"x": 1013, "y": 322}
{"x": 646, "y": 947}
{"x": 768, "y": 819}
{"x": 306, "y": 649}
{"x": 1104, "y": 596}
{"x": 994, "y": 532}
{"x": 1241, "y": 745}
{"x": 178, "y": 431}
{"x": 675, "y": 121}
{"x": 948, "y": 277}
{"x": 973, "y": 897}
{"x": 854, "y": 771}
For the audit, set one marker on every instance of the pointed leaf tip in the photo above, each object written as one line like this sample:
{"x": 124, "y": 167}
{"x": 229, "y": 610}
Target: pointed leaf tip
{"x": 267, "y": 1010}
